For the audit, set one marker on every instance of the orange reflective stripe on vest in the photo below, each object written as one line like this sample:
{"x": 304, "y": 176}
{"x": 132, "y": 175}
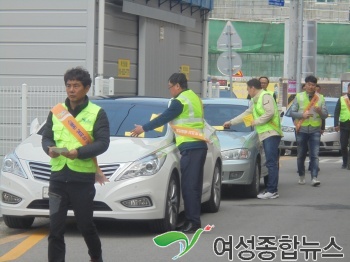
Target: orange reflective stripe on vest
{"x": 74, "y": 127}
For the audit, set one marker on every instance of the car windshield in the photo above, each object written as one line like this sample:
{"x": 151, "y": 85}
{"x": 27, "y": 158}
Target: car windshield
{"x": 123, "y": 116}
{"x": 227, "y": 94}
{"x": 216, "y": 115}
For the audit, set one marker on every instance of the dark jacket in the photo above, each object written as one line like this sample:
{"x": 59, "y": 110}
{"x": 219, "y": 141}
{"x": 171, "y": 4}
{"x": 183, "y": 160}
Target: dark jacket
{"x": 343, "y": 125}
{"x": 169, "y": 114}
{"x": 101, "y": 142}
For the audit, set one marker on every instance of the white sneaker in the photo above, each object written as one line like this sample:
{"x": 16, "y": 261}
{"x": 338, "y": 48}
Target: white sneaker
{"x": 315, "y": 182}
{"x": 301, "y": 180}
{"x": 268, "y": 195}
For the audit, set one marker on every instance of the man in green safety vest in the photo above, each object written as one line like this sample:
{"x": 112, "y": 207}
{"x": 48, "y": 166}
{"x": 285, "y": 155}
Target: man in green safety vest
{"x": 267, "y": 124}
{"x": 342, "y": 124}
{"x": 185, "y": 114}
{"x": 308, "y": 110}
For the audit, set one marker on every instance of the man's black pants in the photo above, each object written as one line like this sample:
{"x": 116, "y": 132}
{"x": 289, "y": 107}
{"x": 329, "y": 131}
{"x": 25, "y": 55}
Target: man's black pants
{"x": 192, "y": 167}
{"x": 80, "y": 196}
{"x": 344, "y": 143}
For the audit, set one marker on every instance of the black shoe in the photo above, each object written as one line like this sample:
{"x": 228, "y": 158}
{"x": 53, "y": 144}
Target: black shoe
{"x": 343, "y": 167}
{"x": 179, "y": 228}
{"x": 190, "y": 227}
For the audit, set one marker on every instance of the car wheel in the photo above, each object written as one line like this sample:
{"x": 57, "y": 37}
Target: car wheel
{"x": 18, "y": 222}
{"x": 213, "y": 204}
{"x": 169, "y": 222}
{"x": 254, "y": 187}
{"x": 282, "y": 152}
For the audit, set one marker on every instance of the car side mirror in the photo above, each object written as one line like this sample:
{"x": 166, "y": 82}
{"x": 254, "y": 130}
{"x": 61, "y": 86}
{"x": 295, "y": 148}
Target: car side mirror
{"x": 34, "y": 126}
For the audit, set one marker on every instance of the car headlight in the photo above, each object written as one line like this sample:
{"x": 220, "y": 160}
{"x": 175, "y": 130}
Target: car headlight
{"x": 235, "y": 154}
{"x": 330, "y": 129}
{"x": 11, "y": 164}
{"x": 287, "y": 129}
{"x": 146, "y": 166}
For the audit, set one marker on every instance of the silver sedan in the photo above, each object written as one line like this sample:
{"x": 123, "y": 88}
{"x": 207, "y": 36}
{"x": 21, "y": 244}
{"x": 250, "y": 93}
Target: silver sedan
{"x": 242, "y": 153}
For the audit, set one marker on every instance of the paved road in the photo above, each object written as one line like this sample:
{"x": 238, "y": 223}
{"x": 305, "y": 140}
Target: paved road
{"x": 320, "y": 215}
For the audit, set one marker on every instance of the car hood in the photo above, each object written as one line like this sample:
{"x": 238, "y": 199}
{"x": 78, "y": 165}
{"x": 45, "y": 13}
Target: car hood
{"x": 121, "y": 149}
{"x": 230, "y": 140}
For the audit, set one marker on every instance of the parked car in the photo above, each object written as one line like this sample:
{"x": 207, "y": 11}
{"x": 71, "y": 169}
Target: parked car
{"x": 227, "y": 93}
{"x": 329, "y": 139}
{"x": 242, "y": 153}
{"x": 144, "y": 172}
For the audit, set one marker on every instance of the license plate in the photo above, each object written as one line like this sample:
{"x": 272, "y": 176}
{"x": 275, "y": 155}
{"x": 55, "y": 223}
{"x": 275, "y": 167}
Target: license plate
{"x": 45, "y": 192}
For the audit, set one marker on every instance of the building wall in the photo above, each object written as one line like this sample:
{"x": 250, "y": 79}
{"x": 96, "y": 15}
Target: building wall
{"x": 40, "y": 40}
{"x": 157, "y": 40}
{"x": 259, "y": 10}
{"x": 121, "y": 42}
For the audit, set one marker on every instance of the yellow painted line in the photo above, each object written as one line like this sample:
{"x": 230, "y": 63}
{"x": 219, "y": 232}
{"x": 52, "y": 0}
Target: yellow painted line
{"x": 25, "y": 245}
{"x": 13, "y": 238}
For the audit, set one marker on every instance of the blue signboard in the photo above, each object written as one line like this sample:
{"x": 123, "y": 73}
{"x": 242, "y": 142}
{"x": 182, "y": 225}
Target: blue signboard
{"x": 276, "y": 2}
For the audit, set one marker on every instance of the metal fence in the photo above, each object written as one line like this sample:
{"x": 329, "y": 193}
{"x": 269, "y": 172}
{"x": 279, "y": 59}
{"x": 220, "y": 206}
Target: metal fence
{"x": 19, "y": 106}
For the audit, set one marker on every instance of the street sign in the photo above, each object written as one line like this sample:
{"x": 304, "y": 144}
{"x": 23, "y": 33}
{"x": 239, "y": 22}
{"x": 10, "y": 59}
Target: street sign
{"x": 276, "y": 2}
{"x": 224, "y": 63}
{"x": 229, "y": 38}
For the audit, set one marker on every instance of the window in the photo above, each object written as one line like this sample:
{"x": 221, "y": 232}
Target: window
{"x": 325, "y": 1}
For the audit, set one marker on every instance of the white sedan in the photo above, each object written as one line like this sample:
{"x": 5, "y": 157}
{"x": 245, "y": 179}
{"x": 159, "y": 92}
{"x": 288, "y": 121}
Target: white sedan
{"x": 144, "y": 172}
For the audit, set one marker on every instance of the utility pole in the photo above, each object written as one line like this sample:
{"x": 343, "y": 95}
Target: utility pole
{"x": 300, "y": 44}
{"x": 293, "y": 41}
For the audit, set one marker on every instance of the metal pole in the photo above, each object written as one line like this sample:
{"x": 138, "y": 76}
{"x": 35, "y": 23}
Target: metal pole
{"x": 230, "y": 56}
{"x": 24, "y": 110}
{"x": 293, "y": 40}
{"x": 205, "y": 57}
{"x": 101, "y": 30}
{"x": 300, "y": 44}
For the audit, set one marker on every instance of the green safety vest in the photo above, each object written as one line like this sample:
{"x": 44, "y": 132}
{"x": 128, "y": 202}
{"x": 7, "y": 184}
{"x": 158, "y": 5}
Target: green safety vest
{"x": 258, "y": 110}
{"x": 344, "y": 110}
{"x": 303, "y": 101}
{"x": 191, "y": 116}
{"x": 64, "y": 138}
{"x": 269, "y": 92}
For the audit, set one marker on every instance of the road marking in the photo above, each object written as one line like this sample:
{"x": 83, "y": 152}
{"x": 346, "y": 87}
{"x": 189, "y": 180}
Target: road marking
{"x": 25, "y": 245}
{"x": 13, "y": 238}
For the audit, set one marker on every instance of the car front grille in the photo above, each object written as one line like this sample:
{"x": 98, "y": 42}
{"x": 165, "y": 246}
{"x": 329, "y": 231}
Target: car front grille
{"x": 44, "y": 204}
{"x": 42, "y": 171}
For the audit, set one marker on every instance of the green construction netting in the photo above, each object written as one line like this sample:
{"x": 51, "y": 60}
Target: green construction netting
{"x": 258, "y": 37}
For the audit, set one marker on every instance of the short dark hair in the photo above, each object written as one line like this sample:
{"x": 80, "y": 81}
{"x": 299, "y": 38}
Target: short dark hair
{"x": 254, "y": 83}
{"x": 268, "y": 81}
{"x": 178, "y": 78}
{"x": 79, "y": 74}
{"x": 311, "y": 79}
